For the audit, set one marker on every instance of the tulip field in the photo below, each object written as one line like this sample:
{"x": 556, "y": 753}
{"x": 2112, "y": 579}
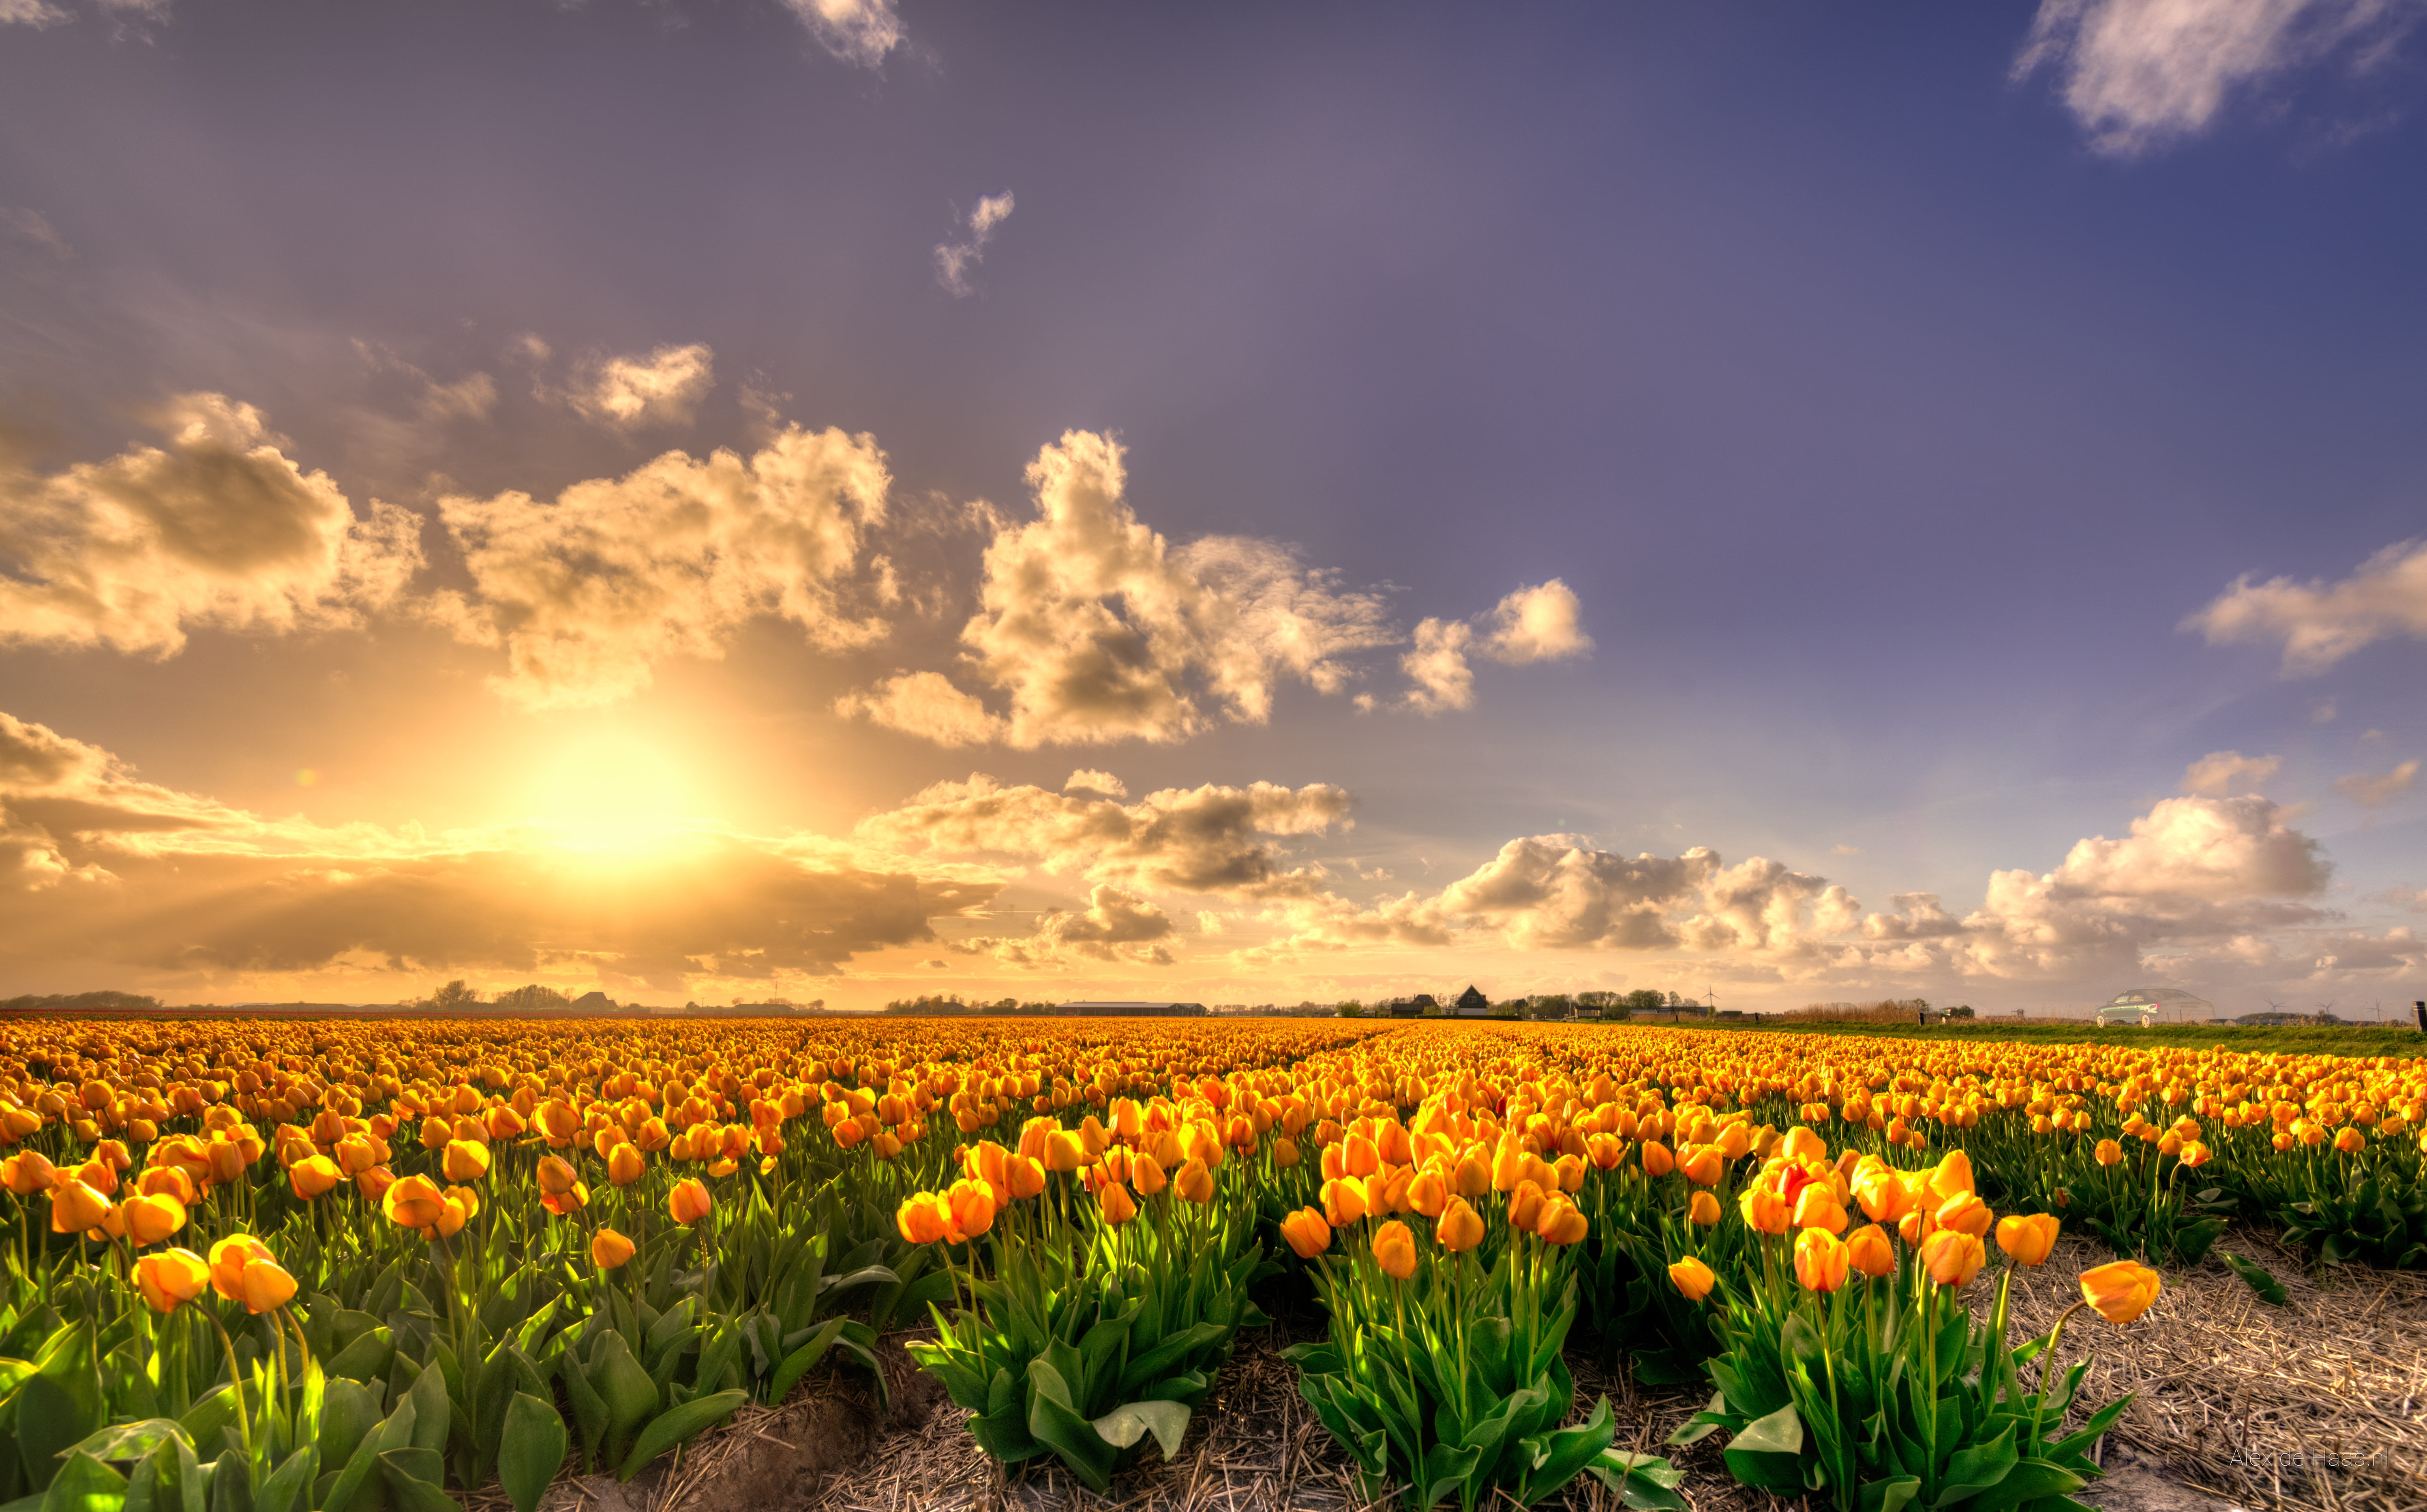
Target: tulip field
{"x": 360, "y": 1265}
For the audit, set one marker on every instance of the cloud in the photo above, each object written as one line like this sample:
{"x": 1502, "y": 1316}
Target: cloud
{"x": 100, "y": 867}
{"x": 2322, "y": 623}
{"x": 2324, "y": 714}
{"x": 1211, "y": 840}
{"x": 216, "y": 528}
{"x": 32, "y": 227}
{"x": 470, "y": 397}
{"x": 2139, "y": 74}
{"x": 662, "y": 389}
{"x": 1115, "y": 926}
{"x": 1088, "y": 779}
{"x": 926, "y": 704}
{"x": 589, "y": 593}
{"x": 34, "y": 13}
{"x": 1538, "y": 624}
{"x": 860, "y": 32}
{"x": 1542, "y": 624}
{"x": 1439, "y": 668}
{"x": 2216, "y": 772}
{"x": 2374, "y": 790}
{"x": 953, "y": 259}
{"x": 1096, "y": 630}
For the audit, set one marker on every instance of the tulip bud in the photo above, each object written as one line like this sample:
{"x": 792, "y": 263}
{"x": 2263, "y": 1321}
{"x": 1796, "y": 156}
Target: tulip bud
{"x": 688, "y": 1202}
{"x": 1459, "y": 1228}
{"x": 1705, "y": 1210}
{"x": 171, "y": 1278}
{"x": 1951, "y": 1256}
{"x": 1820, "y": 1260}
{"x": 1395, "y": 1250}
{"x": 1868, "y": 1251}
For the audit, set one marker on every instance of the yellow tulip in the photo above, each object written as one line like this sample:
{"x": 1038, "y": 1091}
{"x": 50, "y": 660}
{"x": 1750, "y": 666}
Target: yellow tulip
{"x": 1194, "y": 1182}
{"x": 152, "y": 1218}
{"x": 1343, "y": 1202}
{"x": 1459, "y": 1228}
{"x": 312, "y": 1175}
{"x": 1560, "y": 1223}
{"x": 75, "y": 1207}
{"x": 464, "y": 1160}
{"x": 623, "y": 1165}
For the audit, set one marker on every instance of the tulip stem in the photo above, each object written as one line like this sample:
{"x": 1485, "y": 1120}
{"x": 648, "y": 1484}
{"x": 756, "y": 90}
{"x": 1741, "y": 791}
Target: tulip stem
{"x": 243, "y": 1414}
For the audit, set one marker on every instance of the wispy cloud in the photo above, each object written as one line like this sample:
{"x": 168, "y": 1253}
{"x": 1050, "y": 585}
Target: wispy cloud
{"x": 2216, "y": 772}
{"x": 2139, "y": 74}
{"x": 955, "y": 259}
{"x": 662, "y": 389}
{"x": 32, "y": 227}
{"x": 2374, "y": 790}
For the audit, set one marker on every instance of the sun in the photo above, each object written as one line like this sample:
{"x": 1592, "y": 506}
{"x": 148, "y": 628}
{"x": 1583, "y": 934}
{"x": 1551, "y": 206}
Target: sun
{"x": 612, "y": 791}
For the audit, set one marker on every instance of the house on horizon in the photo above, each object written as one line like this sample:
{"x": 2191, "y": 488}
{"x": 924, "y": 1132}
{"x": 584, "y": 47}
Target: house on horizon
{"x": 1472, "y": 1004}
{"x": 1415, "y": 1007}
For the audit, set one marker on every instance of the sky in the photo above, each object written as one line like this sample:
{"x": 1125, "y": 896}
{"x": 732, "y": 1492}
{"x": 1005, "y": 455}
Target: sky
{"x": 845, "y": 500}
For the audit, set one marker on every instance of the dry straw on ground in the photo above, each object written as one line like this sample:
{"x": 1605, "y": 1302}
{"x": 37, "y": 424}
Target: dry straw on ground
{"x": 2320, "y": 1406}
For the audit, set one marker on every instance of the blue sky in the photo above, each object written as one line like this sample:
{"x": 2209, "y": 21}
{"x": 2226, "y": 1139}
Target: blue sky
{"x": 1884, "y": 398}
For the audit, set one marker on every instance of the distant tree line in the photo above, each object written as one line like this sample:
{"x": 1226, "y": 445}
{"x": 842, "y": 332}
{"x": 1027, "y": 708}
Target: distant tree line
{"x": 121, "y": 1003}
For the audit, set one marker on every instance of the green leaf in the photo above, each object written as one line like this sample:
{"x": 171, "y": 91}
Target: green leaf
{"x": 1053, "y": 1420}
{"x": 800, "y": 1361}
{"x": 412, "y": 1478}
{"x": 2260, "y": 1280}
{"x": 85, "y": 1483}
{"x": 1888, "y": 1495}
{"x": 631, "y": 1395}
{"x": 533, "y": 1450}
{"x": 2027, "y": 1483}
{"x": 290, "y": 1489}
{"x": 1446, "y": 1467}
{"x": 679, "y": 1425}
{"x": 1124, "y": 1425}
{"x": 431, "y": 1411}
{"x": 53, "y": 1416}
{"x": 1976, "y": 1468}
{"x": 1781, "y": 1433}
{"x": 394, "y": 1431}
{"x": 131, "y": 1440}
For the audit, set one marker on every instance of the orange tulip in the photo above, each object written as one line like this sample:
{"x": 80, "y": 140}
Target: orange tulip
{"x": 1343, "y": 1202}
{"x": 414, "y": 1202}
{"x": 2120, "y": 1290}
{"x": 974, "y": 1207}
{"x": 1820, "y": 1260}
{"x": 1764, "y": 1210}
{"x": 152, "y": 1218}
{"x": 623, "y": 1165}
{"x": 1308, "y": 1232}
{"x": 1119, "y": 1208}
{"x": 1656, "y": 1159}
{"x": 609, "y": 1249}
{"x": 1395, "y": 1250}
{"x": 312, "y": 1175}
{"x": 1951, "y": 1256}
{"x": 1560, "y": 1223}
{"x": 2108, "y": 1152}
{"x": 1868, "y": 1251}
{"x": 1703, "y": 1164}
{"x": 171, "y": 1278}
{"x": 1967, "y": 1212}
{"x": 1025, "y": 1175}
{"x": 1194, "y": 1182}
{"x": 1459, "y": 1228}
{"x": 27, "y": 1173}
{"x": 1148, "y": 1174}
{"x": 1524, "y": 1205}
{"x": 1693, "y": 1278}
{"x": 1705, "y": 1210}
{"x": 688, "y": 1202}
{"x": 555, "y": 1175}
{"x": 1882, "y": 1192}
{"x": 2028, "y": 1238}
{"x": 464, "y": 1162}
{"x": 75, "y": 1207}
{"x": 461, "y": 1203}
{"x": 923, "y": 1219}
{"x": 1816, "y": 1206}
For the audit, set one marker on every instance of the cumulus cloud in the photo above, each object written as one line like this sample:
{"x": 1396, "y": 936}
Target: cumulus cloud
{"x": 1538, "y": 624}
{"x": 1098, "y": 629}
{"x": 216, "y": 528}
{"x": 2376, "y": 789}
{"x": 589, "y": 593}
{"x": 2216, "y": 772}
{"x": 2320, "y": 623}
{"x": 2141, "y": 73}
{"x": 99, "y": 866}
{"x": 1213, "y": 840}
{"x": 662, "y": 389}
{"x": 1088, "y": 779}
{"x": 955, "y": 259}
{"x": 1115, "y": 926}
{"x": 860, "y": 32}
